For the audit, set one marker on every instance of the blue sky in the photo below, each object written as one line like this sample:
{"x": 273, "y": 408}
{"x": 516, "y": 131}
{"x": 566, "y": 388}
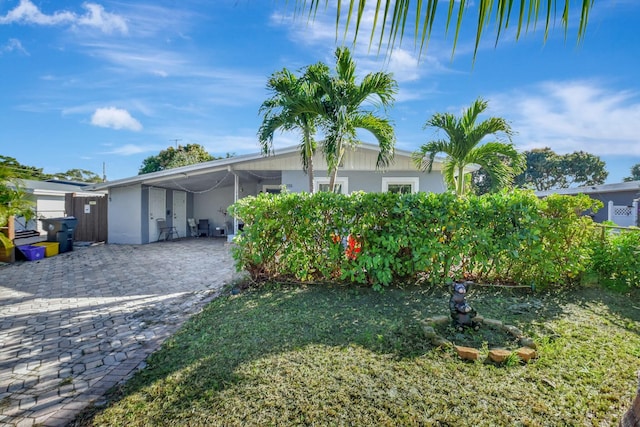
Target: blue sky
{"x": 113, "y": 82}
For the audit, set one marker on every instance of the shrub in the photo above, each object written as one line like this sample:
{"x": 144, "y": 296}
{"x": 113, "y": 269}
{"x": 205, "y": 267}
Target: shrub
{"x": 383, "y": 238}
{"x": 616, "y": 258}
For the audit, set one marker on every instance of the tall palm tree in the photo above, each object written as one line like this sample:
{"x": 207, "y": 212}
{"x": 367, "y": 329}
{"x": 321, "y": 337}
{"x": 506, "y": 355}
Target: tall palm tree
{"x": 393, "y": 16}
{"x": 343, "y": 110}
{"x": 463, "y": 147}
{"x": 289, "y": 91}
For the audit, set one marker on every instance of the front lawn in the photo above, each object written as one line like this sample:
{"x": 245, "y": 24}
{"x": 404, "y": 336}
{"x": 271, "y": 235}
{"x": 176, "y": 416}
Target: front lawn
{"x": 334, "y": 355}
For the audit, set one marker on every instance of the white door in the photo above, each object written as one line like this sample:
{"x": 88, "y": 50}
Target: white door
{"x": 180, "y": 212}
{"x": 157, "y": 210}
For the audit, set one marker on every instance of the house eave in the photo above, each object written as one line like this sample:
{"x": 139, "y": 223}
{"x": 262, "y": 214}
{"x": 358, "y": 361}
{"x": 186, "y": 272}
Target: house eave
{"x": 593, "y": 189}
{"x": 220, "y": 165}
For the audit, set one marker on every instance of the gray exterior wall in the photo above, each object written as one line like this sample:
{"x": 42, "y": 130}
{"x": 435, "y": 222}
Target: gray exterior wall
{"x": 144, "y": 217}
{"x": 370, "y": 182}
{"x": 619, "y": 198}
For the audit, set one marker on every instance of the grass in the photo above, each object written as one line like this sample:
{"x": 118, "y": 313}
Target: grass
{"x": 331, "y": 355}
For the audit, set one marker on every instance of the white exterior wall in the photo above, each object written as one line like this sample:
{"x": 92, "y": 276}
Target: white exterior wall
{"x": 208, "y": 205}
{"x": 125, "y": 215}
{"x": 45, "y": 206}
{"x": 50, "y": 207}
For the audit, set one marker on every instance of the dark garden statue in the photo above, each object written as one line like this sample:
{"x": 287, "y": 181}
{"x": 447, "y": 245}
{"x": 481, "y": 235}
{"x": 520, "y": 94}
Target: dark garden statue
{"x": 461, "y": 312}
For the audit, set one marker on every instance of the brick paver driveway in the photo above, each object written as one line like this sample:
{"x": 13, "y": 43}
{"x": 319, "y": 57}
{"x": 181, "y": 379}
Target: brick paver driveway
{"x": 73, "y": 325}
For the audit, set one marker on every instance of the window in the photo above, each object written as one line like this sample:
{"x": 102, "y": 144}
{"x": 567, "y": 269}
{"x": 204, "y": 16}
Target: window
{"x": 401, "y": 185}
{"x": 322, "y": 184}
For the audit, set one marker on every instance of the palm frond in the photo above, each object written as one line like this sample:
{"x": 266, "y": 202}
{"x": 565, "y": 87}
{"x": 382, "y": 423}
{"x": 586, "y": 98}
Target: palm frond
{"x": 391, "y": 24}
{"x": 382, "y": 130}
{"x": 449, "y": 170}
{"x": 424, "y": 157}
{"x": 501, "y": 161}
{"x": 382, "y": 85}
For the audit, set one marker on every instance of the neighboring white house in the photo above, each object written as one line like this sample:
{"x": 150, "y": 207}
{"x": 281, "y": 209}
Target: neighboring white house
{"x": 620, "y": 200}
{"x": 48, "y": 199}
{"x": 204, "y": 191}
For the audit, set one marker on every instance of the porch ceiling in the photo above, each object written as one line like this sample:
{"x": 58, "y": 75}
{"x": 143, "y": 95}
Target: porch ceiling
{"x": 199, "y": 183}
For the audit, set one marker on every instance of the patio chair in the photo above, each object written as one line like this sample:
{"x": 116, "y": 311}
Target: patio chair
{"x": 163, "y": 228}
{"x": 193, "y": 227}
{"x": 203, "y": 227}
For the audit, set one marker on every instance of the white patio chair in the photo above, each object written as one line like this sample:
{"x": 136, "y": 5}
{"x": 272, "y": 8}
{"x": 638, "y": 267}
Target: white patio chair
{"x": 163, "y": 228}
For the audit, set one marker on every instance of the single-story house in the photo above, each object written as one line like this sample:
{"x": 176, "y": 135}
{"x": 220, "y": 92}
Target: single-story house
{"x": 620, "y": 200}
{"x": 204, "y": 191}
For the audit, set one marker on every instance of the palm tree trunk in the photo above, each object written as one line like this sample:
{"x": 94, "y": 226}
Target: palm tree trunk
{"x": 460, "y": 183}
{"x": 310, "y": 173}
{"x": 334, "y": 172}
{"x": 308, "y": 147}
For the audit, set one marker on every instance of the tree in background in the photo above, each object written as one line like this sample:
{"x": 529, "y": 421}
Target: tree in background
{"x": 342, "y": 110}
{"x": 463, "y": 147}
{"x": 282, "y": 111}
{"x": 635, "y": 174}
{"x": 17, "y": 170}
{"x": 392, "y": 17}
{"x": 547, "y": 170}
{"x": 78, "y": 175}
{"x": 20, "y": 171}
{"x": 175, "y": 157}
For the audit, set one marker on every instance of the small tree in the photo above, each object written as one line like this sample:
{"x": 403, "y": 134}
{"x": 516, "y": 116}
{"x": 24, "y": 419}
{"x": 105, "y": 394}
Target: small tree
{"x": 343, "y": 110}
{"x": 281, "y": 111}
{"x": 463, "y": 146}
{"x": 13, "y": 201}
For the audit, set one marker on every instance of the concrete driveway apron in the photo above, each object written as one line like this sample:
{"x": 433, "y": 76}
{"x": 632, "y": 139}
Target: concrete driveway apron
{"x": 75, "y": 324}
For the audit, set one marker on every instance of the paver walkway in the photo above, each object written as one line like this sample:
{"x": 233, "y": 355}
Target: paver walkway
{"x": 74, "y": 325}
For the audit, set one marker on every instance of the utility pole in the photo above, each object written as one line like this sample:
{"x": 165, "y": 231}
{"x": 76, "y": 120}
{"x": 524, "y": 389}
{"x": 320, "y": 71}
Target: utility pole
{"x": 104, "y": 172}
{"x": 176, "y": 141}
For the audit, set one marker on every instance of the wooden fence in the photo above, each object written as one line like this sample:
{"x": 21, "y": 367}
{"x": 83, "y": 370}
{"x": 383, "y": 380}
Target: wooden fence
{"x": 91, "y": 213}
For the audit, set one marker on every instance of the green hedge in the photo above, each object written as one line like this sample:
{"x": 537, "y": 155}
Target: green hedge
{"x": 384, "y": 238}
{"x": 616, "y": 258}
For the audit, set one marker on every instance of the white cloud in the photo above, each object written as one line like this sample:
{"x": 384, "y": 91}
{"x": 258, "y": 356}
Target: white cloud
{"x": 28, "y": 13}
{"x": 13, "y": 45}
{"x": 131, "y": 149}
{"x": 115, "y": 118}
{"x": 96, "y": 17}
{"x": 571, "y": 116}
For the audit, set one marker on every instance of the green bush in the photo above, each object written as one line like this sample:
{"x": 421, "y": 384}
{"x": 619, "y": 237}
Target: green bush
{"x": 616, "y": 258}
{"x": 383, "y": 238}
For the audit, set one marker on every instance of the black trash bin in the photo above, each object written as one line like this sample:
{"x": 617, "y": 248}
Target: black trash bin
{"x": 60, "y": 230}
